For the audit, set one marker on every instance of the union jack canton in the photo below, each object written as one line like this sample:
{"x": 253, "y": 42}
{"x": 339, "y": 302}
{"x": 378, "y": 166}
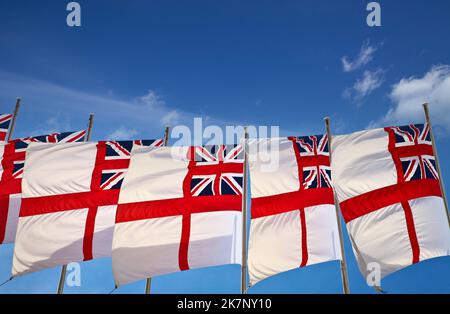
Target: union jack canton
{"x": 415, "y": 166}
{"x": 219, "y": 183}
{"x": 317, "y": 175}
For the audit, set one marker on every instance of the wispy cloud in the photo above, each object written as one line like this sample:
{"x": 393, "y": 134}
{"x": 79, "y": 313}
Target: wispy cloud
{"x": 410, "y": 93}
{"x": 122, "y": 133}
{"x": 364, "y": 57}
{"x": 115, "y": 117}
{"x": 69, "y": 108}
{"x": 57, "y": 123}
{"x": 364, "y": 86}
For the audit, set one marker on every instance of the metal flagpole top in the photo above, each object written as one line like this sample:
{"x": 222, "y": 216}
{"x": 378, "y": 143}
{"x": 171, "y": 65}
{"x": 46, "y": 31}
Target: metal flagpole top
{"x": 89, "y": 129}
{"x": 13, "y": 121}
{"x": 427, "y": 112}
{"x": 166, "y": 135}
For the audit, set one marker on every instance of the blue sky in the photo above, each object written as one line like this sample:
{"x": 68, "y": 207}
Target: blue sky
{"x": 141, "y": 65}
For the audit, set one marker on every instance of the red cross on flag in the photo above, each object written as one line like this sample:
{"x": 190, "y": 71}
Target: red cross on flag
{"x": 12, "y": 159}
{"x": 179, "y": 208}
{"x": 293, "y": 217}
{"x": 388, "y": 188}
{"x": 69, "y": 200}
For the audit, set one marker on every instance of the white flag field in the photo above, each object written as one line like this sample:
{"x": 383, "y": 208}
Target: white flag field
{"x": 388, "y": 188}
{"x": 156, "y": 209}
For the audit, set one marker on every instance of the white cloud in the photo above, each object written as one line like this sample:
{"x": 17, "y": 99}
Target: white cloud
{"x": 364, "y": 57}
{"x": 153, "y": 100}
{"x": 364, "y": 86}
{"x": 410, "y": 93}
{"x": 123, "y": 133}
{"x": 171, "y": 118}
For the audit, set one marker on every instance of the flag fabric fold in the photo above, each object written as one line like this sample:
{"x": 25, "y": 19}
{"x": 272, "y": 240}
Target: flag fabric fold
{"x": 293, "y": 216}
{"x": 179, "y": 208}
{"x": 69, "y": 200}
{"x": 388, "y": 188}
{"x": 12, "y": 159}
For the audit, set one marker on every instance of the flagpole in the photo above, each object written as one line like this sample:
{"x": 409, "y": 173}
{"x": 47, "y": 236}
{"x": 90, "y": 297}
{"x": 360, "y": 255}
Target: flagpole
{"x": 244, "y": 218}
{"x": 436, "y": 158}
{"x": 343, "y": 261}
{"x": 62, "y": 276}
{"x": 89, "y": 129}
{"x": 148, "y": 282}
{"x": 166, "y": 135}
{"x": 13, "y": 121}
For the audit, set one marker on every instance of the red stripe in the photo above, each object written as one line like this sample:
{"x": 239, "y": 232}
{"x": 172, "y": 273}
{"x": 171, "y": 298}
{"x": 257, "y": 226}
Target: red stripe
{"x": 2, "y": 136}
{"x": 226, "y": 167}
{"x": 184, "y": 208}
{"x": 286, "y": 202}
{"x": 52, "y": 138}
{"x": 184, "y": 242}
{"x": 411, "y": 232}
{"x": 421, "y": 167}
{"x": 412, "y": 150}
{"x": 8, "y": 162}
{"x": 92, "y": 211}
{"x": 113, "y": 164}
{"x": 74, "y": 139}
{"x": 304, "y": 238}
{"x": 57, "y": 203}
{"x": 89, "y": 233}
{"x": 9, "y": 184}
{"x": 371, "y": 201}
{"x": 4, "y": 208}
{"x": 177, "y": 206}
{"x": 157, "y": 143}
{"x": 308, "y": 161}
{"x": 216, "y": 183}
